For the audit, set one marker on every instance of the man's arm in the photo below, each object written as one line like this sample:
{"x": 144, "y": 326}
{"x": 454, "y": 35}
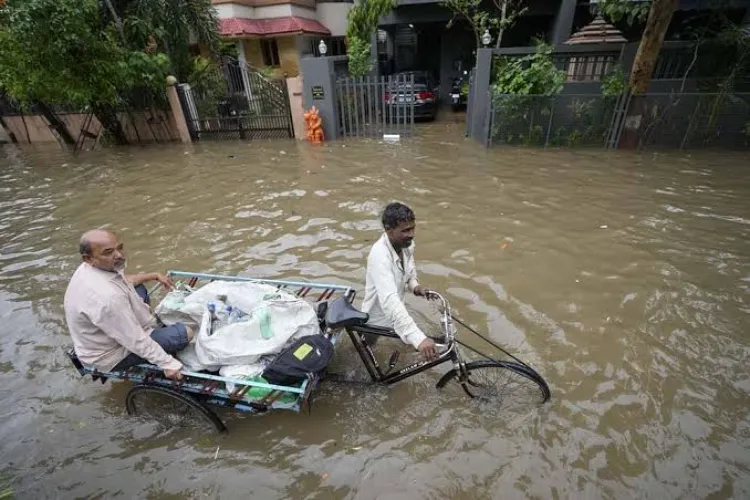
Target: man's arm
{"x": 120, "y": 324}
{"x": 394, "y": 309}
{"x": 139, "y": 279}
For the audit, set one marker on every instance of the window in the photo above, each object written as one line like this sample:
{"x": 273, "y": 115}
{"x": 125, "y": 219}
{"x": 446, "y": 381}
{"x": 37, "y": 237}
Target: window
{"x": 270, "y": 51}
{"x": 336, "y": 46}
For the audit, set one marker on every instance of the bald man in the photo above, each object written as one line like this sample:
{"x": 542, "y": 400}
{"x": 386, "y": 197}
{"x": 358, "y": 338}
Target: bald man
{"x": 111, "y": 324}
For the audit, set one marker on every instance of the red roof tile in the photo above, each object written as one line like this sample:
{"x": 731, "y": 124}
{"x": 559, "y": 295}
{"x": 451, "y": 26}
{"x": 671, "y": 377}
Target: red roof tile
{"x": 240, "y": 26}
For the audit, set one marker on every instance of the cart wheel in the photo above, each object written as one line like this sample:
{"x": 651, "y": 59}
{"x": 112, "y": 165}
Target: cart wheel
{"x": 170, "y": 407}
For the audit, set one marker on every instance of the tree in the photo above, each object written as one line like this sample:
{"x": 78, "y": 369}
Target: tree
{"x": 168, "y": 25}
{"x": 501, "y": 18}
{"x": 659, "y": 16}
{"x": 629, "y": 11}
{"x": 362, "y": 21}
{"x": 472, "y": 11}
{"x": 510, "y": 10}
{"x": 56, "y": 52}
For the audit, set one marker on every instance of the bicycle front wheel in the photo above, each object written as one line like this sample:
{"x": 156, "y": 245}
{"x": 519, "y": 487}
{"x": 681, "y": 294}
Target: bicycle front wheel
{"x": 504, "y": 382}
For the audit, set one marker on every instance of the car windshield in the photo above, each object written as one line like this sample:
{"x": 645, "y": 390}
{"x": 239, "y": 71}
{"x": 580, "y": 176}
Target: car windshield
{"x": 421, "y": 82}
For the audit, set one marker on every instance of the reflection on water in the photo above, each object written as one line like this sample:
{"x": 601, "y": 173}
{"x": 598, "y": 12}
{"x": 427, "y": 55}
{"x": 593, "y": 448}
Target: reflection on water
{"x": 623, "y": 278}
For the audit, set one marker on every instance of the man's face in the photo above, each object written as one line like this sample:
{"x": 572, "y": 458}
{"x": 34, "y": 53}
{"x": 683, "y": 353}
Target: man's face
{"x": 107, "y": 253}
{"x": 402, "y": 235}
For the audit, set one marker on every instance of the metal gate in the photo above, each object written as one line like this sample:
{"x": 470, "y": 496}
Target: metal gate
{"x": 236, "y": 101}
{"x": 373, "y": 107}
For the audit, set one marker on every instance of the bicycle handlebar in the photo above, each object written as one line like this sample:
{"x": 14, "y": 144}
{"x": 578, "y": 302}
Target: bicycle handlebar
{"x": 446, "y": 322}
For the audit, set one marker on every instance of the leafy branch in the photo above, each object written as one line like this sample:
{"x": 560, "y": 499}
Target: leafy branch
{"x": 631, "y": 11}
{"x": 362, "y": 21}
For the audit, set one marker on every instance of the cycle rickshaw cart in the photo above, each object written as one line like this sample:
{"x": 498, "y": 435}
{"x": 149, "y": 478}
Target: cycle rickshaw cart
{"x": 193, "y": 397}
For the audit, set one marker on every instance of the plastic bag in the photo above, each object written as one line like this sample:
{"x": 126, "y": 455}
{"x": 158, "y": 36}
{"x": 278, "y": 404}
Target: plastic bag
{"x": 268, "y": 325}
{"x": 242, "y": 372}
{"x": 189, "y": 358}
{"x": 172, "y": 309}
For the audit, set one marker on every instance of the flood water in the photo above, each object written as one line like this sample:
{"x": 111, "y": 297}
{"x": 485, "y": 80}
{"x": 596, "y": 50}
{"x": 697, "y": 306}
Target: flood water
{"x": 622, "y": 278}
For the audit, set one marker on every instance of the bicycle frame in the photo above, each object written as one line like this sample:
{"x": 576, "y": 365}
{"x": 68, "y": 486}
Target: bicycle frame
{"x": 357, "y": 333}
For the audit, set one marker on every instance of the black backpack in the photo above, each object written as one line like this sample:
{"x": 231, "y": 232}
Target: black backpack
{"x": 305, "y": 358}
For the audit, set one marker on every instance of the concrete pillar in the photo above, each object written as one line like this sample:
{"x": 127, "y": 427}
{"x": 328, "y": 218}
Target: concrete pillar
{"x": 297, "y": 106}
{"x": 319, "y": 90}
{"x": 563, "y": 28}
{"x": 481, "y": 100}
{"x": 243, "y": 69}
{"x": 177, "y": 114}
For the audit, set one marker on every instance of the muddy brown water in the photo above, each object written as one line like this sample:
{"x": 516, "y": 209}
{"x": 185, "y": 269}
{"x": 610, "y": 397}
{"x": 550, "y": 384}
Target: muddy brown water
{"x": 622, "y": 278}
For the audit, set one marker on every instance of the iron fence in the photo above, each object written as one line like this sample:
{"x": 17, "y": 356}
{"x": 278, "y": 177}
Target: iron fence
{"x": 674, "y": 120}
{"x": 560, "y": 120}
{"x": 695, "y": 120}
{"x": 374, "y": 107}
{"x": 237, "y": 101}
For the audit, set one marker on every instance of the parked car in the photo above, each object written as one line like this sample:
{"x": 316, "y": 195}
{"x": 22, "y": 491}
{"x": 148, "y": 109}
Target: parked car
{"x": 423, "y": 96}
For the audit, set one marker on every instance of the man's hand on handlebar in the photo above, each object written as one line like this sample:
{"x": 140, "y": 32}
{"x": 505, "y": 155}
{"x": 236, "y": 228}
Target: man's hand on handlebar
{"x": 425, "y": 292}
{"x": 428, "y": 349}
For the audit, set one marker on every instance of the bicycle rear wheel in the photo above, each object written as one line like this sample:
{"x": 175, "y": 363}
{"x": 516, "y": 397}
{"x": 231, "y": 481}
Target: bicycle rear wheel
{"x": 505, "y": 382}
{"x": 170, "y": 408}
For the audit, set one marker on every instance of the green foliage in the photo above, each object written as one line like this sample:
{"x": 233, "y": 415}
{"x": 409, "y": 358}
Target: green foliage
{"x": 628, "y": 10}
{"x": 464, "y": 90}
{"x": 71, "y": 52}
{"x": 535, "y": 74}
{"x": 363, "y": 17}
{"x": 206, "y": 77}
{"x": 615, "y": 82}
{"x": 171, "y": 22}
{"x": 56, "y": 51}
{"x": 268, "y": 72}
{"x": 562, "y": 121}
{"x": 362, "y": 21}
{"x": 6, "y": 491}
{"x": 360, "y": 58}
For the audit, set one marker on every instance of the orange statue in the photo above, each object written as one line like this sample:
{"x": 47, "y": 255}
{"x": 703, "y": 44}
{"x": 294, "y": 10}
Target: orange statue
{"x": 314, "y": 126}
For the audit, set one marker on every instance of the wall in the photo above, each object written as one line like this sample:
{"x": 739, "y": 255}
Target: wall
{"x": 139, "y": 127}
{"x": 288, "y": 56}
{"x": 333, "y": 17}
{"x": 253, "y": 53}
{"x": 225, "y": 11}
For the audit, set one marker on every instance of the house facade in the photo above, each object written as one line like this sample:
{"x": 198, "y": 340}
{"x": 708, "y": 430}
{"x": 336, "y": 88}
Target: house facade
{"x": 278, "y": 33}
{"x": 415, "y": 35}
{"x": 425, "y": 35}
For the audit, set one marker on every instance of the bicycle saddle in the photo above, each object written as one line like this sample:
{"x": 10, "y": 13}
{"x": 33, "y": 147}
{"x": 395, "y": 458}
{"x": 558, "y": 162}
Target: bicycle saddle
{"x": 341, "y": 314}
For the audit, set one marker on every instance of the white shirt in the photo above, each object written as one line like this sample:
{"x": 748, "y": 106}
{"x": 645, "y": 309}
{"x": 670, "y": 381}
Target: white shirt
{"x": 388, "y": 277}
{"x": 108, "y": 320}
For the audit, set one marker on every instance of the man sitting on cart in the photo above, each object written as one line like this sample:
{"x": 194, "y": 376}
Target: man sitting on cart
{"x": 110, "y": 322}
{"x": 390, "y": 272}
